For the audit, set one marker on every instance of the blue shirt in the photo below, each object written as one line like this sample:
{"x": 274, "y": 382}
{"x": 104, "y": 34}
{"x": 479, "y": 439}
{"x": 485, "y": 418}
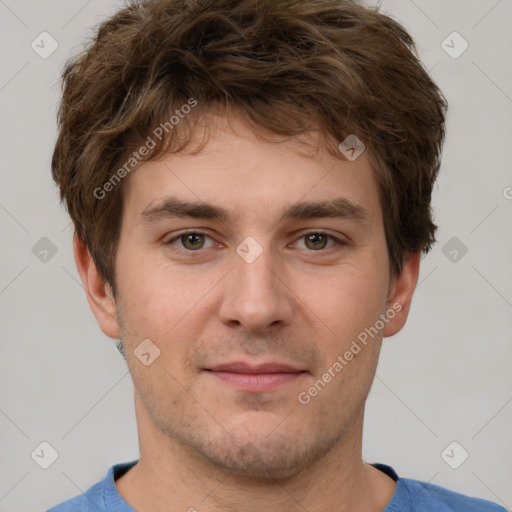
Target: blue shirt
{"x": 409, "y": 496}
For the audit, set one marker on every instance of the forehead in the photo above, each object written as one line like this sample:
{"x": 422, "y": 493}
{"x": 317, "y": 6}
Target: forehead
{"x": 238, "y": 173}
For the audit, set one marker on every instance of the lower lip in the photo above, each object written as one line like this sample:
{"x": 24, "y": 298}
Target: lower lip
{"x": 257, "y": 382}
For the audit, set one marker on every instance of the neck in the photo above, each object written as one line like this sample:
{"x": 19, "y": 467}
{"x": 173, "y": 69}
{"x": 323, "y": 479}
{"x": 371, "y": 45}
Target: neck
{"x": 171, "y": 474}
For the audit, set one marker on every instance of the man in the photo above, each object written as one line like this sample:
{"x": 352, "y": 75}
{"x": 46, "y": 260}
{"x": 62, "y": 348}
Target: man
{"x": 250, "y": 184}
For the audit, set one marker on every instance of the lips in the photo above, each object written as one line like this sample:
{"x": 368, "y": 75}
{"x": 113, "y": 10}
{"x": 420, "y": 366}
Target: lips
{"x": 245, "y": 368}
{"x": 261, "y": 378}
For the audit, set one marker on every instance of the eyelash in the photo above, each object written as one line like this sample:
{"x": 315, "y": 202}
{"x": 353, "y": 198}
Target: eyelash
{"x": 337, "y": 241}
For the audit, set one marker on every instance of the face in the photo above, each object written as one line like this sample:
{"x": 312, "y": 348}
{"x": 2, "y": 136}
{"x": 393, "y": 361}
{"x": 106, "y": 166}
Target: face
{"x": 253, "y": 301}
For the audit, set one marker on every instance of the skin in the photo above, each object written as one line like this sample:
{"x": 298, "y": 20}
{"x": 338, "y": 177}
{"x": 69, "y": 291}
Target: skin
{"x": 205, "y": 444}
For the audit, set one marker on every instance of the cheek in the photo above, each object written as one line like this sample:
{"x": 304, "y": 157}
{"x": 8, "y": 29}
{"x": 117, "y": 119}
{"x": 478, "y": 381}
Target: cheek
{"x": 162, "y": 305}
{"x": 151, "y": 289}
{"x": 350, "y": 300}
{"x": 146, "y": 302}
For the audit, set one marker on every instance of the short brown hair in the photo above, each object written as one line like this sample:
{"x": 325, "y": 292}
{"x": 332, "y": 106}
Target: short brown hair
{"x": 283, "y": 64}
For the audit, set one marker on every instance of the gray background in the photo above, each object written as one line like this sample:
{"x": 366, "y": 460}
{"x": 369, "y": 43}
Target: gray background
{"x": 446, "y": 377}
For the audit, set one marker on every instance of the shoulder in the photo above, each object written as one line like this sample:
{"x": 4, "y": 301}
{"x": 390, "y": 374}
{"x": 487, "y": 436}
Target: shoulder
{"x": 100, "y": 497}
{"x": 420, "y": 496}
{"x": 90, "y": 500}
{"x": 417, "y": 496}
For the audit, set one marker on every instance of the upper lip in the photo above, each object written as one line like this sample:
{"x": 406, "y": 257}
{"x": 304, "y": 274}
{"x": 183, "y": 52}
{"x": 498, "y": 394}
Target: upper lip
{"x": 242, "y": 367}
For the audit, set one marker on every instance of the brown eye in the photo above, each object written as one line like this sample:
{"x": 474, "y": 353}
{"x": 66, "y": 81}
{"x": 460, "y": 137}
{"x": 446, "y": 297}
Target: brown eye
{"x": 316, "y": 241}
{"x": 192, "y": 241}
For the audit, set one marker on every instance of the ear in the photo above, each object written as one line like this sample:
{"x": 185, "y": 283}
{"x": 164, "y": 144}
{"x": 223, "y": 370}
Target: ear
{"x": 98, "y": 292}
{"x": 401, "y": 292}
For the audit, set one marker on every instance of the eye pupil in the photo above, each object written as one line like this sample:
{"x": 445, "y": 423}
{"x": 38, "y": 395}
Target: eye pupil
{"x": 315, "y": 237}
{"x": 193, "y": 238}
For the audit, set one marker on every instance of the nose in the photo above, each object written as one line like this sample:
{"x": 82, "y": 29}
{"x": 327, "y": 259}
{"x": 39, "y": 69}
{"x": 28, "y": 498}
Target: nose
{"x": 256, "y": 294}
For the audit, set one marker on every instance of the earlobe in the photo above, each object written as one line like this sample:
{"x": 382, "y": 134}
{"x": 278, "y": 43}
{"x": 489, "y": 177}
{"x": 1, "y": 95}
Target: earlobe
{"x": 98, "y": 292}
{"x": 402, "y": 291}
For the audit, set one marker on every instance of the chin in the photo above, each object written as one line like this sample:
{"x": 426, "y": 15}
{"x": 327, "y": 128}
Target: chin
{"x": 267, "y": 458}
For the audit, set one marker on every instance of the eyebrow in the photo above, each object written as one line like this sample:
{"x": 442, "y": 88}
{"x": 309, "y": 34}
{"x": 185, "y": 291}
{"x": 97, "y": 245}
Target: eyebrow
{"x": 172, "y": 207}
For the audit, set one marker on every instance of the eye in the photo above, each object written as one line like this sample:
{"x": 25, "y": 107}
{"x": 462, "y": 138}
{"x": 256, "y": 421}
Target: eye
{"x": 193, "y": 241}
{"x": 317, "y": 240}
{"x": 190, "y": 241}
